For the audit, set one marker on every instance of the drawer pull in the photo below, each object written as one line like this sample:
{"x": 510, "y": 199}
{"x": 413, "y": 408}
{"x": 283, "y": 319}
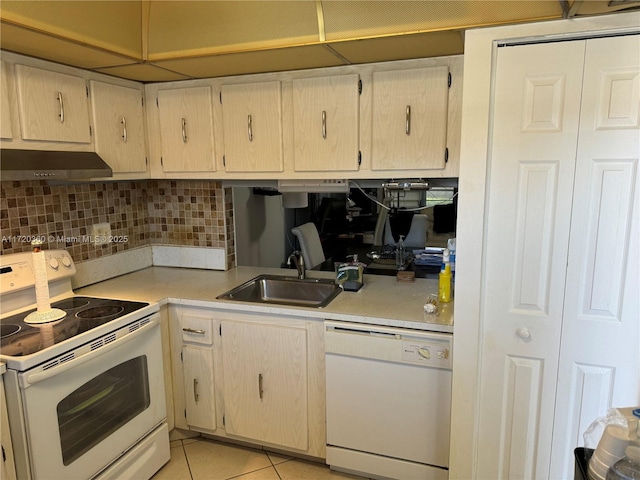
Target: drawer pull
{"x": 250, "y": 128}
{"x": 124, "y": 129}
{"x": 184, "y": 130}
{"x": 407, "y": 121}
{"x": 194, "y": 330}
{"x": 260, "y": 389}
{"x": 324, "y": 124}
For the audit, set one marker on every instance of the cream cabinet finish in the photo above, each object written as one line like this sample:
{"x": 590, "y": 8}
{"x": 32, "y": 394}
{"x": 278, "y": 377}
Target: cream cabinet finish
{"x": 410, "y": 118}
{"x": 326, "y": 116}
{"x": 265, "y": 383}
{"x": 197, "y": 364}
{"x": 252, "y": 126}
{"x": 282, "y": 354}
{"x": 53, "y": 106}
{"x": 192, "y": 333}
{"x": 118, "y": 118}
{"x": 6, "y": 131}
{"x": 186, "y": 129}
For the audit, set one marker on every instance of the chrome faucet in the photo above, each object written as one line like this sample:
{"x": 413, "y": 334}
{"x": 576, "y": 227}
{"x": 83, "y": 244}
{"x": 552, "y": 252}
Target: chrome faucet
{"x": 299, "y": 263}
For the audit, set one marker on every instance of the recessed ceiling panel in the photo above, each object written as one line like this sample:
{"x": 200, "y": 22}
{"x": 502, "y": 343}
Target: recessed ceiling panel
{"x": 111, "y": 25}
{"x": 273, "y": 60}
{"x": 179, "y": 28}
{"x": 357, "y": 19}
{"x": 401, "y": 47}
{"x": 34, "y": 44}
{"x": 143, "y": 72}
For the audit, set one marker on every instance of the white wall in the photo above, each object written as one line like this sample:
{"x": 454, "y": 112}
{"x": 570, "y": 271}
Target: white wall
{"x": 476, "y": 114}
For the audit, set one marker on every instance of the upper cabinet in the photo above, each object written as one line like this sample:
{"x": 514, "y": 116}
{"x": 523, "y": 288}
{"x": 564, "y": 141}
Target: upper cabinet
{"x": 409, "y": 113}
{"x": 252, "y": 126}
{"x": 5, "y": 110}
{"x": 326, "y": 115}
{"x": 186, "y": 129}
{"x": 120, "y": 136}
{"x": 53, "y": 106}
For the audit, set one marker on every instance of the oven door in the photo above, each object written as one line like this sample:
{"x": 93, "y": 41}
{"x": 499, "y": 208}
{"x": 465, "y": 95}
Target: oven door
{"x": 83, "y": 414}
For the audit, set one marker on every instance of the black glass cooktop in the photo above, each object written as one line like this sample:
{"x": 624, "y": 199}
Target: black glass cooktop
{"x": 83, "y": 313}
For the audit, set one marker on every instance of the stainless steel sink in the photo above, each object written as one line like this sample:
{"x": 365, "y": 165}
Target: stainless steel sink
{"x": 273, "y": 289}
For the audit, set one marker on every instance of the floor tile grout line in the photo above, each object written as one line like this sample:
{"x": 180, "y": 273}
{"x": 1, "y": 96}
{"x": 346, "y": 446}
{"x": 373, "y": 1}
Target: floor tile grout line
{"x": 186, "y": 457}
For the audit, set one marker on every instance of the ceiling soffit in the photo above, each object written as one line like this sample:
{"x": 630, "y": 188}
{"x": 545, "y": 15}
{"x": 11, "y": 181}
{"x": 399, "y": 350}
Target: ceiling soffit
{"x": 153, "y": 40}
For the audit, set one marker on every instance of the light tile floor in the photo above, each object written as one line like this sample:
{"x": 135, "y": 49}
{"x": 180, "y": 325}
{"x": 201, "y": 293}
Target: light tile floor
{"x": 204, "y": 459}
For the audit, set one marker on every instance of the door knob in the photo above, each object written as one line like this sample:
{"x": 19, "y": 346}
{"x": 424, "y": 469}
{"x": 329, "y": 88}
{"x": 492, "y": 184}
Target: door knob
{"x": 523, "y": 333}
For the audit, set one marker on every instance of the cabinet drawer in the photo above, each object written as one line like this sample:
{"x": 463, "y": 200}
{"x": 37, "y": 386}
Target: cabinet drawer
{"x": 197, "y": 329}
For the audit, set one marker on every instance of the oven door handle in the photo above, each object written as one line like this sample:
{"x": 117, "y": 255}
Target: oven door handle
{"x": 37, "y": 377}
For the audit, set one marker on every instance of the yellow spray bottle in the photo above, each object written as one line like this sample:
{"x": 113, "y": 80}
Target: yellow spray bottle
{"x": 444, "y": 285}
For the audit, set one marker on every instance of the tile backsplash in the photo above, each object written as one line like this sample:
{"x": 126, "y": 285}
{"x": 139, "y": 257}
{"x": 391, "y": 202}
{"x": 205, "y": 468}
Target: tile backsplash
{"x": 148, "y": 212}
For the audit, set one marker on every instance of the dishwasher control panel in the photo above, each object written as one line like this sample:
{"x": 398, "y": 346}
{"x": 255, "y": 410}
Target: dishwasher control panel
{"x": 426, "y": 352}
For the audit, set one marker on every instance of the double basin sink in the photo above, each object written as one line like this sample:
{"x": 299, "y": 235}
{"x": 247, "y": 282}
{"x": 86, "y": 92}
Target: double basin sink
{"x": 274, "y": 289}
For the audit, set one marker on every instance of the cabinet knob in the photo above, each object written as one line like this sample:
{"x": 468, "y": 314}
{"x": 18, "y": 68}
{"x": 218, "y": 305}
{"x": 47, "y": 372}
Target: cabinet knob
{"x": 523, "y": 333}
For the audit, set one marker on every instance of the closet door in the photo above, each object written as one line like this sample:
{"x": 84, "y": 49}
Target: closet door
{"x": 599, "y": 359}
{"x": 533, "y": 151}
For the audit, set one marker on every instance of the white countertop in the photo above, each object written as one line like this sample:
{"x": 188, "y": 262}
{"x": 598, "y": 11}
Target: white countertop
{"x": 381, "y": 301}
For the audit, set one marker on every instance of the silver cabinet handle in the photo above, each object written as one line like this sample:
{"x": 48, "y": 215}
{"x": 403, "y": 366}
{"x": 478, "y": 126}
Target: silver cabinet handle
{"x": 193, "y": 330}
{"x": 250, "y": 128}
{"x": 184, "y": 130}
{"x": 61, "y": 100}
{"x": 407, "y": 125}
{"x": 324, "y": 124}
{"x": 195, "y": 390}
{"x": 124, "y": 129}
{"x": 260, "y": 389}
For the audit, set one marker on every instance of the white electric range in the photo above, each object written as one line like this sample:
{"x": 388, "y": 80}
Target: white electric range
{"x": 85, "y": 393}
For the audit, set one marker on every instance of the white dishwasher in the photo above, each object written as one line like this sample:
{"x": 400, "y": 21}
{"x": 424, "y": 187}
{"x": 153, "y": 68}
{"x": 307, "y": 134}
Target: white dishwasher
{"x": 388, "y": 401}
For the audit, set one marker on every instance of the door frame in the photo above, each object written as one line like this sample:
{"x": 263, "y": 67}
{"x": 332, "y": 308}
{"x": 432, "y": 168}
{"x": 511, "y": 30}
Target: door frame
{"x": 479, "y": 69}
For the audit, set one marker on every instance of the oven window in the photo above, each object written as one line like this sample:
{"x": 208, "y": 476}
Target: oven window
{"x": 101, "y": 406}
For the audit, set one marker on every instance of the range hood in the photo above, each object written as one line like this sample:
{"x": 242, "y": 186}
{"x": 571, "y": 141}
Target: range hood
{"x": 47, "y": 165}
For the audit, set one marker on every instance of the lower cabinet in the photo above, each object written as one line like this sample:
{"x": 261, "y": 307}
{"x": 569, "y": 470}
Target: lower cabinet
{"x": 265, "y": 383}
{"x": 199, "y": 392}
{"x": 258, "y": 378}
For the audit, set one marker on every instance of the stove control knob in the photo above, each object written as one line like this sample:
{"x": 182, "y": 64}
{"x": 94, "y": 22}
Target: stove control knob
{"x": 66, "y": 261}
{"x": 53, "y": 263}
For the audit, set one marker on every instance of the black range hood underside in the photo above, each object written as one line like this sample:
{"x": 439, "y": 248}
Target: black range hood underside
{"x": 47, "y": 165}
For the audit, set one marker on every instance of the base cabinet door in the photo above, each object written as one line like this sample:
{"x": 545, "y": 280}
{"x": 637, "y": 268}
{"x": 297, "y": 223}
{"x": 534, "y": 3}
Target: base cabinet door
{"x": 197, "y": 369}
{"x": 265, "y": 383}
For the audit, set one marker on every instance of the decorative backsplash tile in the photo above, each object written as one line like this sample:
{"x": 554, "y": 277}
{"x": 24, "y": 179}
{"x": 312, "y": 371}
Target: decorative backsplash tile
{"x": 147, "y": 212}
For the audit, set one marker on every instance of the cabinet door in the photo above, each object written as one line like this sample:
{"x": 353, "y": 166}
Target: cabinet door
{"x": 252, "y": 124}
{"x": 535, "y": 127}
{"x": 265, "y": 383}
{"x": 410, "y": 118}
{"x": 326, "y": 124}
{"x": 6, "y": 131}
{"x": 53, "y": 106}
{"x": 186, "y": 130}
{"x": 199, "y": 388}
{"x": 118, "y": 118}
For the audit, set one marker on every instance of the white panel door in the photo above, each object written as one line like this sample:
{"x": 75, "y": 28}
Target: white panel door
{"x": 533, "y": 148}
{"x": 199, "y": 387}
{"x": 599, "y": 358}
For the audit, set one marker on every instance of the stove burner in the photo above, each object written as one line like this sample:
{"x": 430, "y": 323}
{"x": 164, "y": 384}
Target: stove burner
{"x": 7, "y": 330}
{"x": 71, "y": 303}
{"x": 100, "y": 312}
